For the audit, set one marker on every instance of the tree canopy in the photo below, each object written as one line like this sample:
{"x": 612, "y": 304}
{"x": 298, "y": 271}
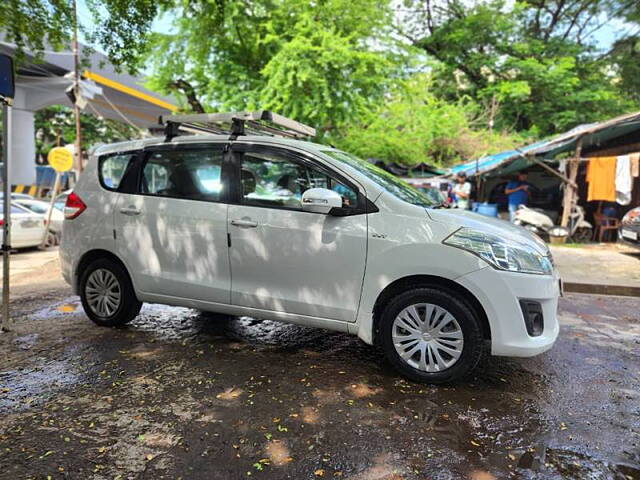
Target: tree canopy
{"x": 411, "y": 81}
{"x": 536, "y": 62}
{"x": 318, "y": 62}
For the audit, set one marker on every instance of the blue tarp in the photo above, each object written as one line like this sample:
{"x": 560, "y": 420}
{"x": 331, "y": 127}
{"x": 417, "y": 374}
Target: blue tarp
{"x": 46, "y": 176}
{"x": 490, "y": 162}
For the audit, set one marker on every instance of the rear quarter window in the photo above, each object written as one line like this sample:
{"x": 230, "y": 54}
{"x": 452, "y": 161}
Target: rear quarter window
{"x": 111, "y": 169}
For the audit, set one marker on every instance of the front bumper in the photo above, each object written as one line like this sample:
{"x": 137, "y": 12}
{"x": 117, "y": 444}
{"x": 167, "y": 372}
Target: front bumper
{"x": 625, "y": 239}
{"x": 500, "y": 294}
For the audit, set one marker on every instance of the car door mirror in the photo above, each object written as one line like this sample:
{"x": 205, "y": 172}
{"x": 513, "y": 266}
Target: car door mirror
{"x": 320, "y": 200}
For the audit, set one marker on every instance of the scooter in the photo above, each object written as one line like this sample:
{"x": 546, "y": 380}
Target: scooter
{"x": 538, "y": 222}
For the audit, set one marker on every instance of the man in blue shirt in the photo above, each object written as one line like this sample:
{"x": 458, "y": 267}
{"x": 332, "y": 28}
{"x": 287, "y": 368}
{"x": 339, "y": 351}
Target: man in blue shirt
{"x": 518, "y": 193}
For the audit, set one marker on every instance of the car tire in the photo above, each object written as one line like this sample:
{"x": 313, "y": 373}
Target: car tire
{"x": 107, "y": 294}
{"x": 446, "y": 338}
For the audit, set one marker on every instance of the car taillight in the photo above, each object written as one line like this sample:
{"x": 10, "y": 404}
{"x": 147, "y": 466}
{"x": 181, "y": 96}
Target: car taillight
{"x": 74, "y": 206}
{"x": 2, "y": 222}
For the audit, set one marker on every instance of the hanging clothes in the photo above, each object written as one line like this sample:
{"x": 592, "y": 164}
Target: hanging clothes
{"x": 601, "y": 175}
{"x": 623, "y": 180}
{"x": 634, "y": 158}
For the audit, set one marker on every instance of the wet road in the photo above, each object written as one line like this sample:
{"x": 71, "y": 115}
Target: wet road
{"x": 180, "y": 395}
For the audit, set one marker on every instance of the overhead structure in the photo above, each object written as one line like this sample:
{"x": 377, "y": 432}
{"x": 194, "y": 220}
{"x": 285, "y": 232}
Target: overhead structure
{"x": 104, "y": 92}
{"x": 617, "y": 136}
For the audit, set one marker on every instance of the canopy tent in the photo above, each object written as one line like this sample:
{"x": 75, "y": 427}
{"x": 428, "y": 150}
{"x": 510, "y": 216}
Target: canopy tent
{"x": 617, "y": 136}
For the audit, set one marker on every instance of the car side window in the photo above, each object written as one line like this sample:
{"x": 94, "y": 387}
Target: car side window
{"x": 272, "y": 180}
{"x": 189, "y": 174}
{"x": 112, "y": 169}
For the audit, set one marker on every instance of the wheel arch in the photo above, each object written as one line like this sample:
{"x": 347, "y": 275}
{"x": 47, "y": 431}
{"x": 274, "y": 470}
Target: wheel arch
{"x": 91, "y": 256}
{"x": 429, "y": 281}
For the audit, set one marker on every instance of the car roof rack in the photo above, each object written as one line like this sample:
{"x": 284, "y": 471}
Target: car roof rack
{"x": 234, "y": 124}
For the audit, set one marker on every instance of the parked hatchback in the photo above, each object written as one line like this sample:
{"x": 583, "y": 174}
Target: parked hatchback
{"x": 294, "y": 231}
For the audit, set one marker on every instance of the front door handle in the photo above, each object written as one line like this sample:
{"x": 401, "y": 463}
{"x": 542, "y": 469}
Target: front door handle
{"x": 130, "y": 210}
{"x": 244, "y": 223}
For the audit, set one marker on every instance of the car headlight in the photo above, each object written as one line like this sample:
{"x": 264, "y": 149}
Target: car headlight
{"x": 500, "y": 254}
{"x": 632, "y": 216}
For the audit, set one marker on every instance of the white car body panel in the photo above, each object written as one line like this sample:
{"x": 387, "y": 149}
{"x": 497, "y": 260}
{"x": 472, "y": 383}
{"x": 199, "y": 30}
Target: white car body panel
{"x": 174, "y": 247}
{"x": 27, "y": 228}
{"x": 57, "y": 217}
{"x": 301, "y": 267}
{"x": 298, "y": 262}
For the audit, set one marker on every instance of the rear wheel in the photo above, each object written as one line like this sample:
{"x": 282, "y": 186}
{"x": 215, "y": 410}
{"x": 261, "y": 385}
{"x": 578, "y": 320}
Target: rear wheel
{"x": 431, "y": 336}
{"x": 107, "y": 294}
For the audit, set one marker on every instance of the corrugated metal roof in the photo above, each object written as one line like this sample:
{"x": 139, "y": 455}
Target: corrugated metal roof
{"x": 593, "y": 135}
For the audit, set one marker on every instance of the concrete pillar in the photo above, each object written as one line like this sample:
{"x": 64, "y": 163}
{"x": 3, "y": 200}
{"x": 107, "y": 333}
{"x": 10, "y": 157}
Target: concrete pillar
{"x": 22, "y": 166}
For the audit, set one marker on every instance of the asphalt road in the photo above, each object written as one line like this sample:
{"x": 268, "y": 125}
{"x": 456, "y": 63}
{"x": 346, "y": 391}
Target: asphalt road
{"x": 181, "y": 395}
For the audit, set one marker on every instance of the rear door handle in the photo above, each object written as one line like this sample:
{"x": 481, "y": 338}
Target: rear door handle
{"x": 130, "y": 210}
{"x": 244, "y": 223}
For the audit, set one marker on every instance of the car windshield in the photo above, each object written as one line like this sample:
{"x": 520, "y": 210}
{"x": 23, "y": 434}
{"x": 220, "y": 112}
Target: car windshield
{"x": 386, "y": 180}
{"x": 35, "y": 207}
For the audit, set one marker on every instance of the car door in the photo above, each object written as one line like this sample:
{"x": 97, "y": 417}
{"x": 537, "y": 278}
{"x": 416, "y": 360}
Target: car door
{"x": 283, "y": 258}
{"x": 27, "y": 228}
{"x": 172, "y": 231}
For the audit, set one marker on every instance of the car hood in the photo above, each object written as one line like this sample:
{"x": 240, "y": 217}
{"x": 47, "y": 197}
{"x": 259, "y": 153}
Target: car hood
{"x": 456, "y": 219}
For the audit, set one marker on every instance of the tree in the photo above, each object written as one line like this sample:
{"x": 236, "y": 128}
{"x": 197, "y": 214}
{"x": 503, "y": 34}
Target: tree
{"x": 414, "y": 126}
{"x": 117, "y": 27}
{"x": 55, "y": 126}
{"x": 537, "y": 60}
{"x": 323, "y": 63}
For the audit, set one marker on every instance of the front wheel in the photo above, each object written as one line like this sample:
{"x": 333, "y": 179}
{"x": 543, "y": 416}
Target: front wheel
{"x": 582, "y": 235}
{"x": 107, "y": 294}
{"x": 431, "y": 336}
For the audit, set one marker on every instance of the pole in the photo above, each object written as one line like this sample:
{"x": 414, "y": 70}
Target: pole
{"x": 54, "y": 192}
{"x": 6, "y": 227}
{"x": 570, "y": 189}
{"x": 76, "y": 89}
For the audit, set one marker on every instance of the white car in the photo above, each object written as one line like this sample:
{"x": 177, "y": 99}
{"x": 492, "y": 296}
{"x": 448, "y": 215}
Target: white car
{"x": 27, "y": 228}
{"x": 42, "y": 208}
{"x": 294, "y": 231}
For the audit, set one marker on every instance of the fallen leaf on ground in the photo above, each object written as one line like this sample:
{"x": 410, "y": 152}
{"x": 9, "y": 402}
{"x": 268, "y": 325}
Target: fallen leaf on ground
{"x": 230, "y": 394}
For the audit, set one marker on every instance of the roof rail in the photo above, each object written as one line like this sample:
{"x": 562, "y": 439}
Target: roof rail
{"x": 261, "y": 122}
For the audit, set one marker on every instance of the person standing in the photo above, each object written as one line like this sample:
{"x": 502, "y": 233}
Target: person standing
{"x": 518, "y": 193}
{"x": 462, "y": 191}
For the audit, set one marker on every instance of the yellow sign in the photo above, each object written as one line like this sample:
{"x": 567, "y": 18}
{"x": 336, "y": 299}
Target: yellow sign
{"x": 60, "y": 159}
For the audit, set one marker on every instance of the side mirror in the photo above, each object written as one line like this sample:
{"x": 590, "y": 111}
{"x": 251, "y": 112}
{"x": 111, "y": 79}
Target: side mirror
{"x": 320, "y": 200}
{"x": 7, "y": 78}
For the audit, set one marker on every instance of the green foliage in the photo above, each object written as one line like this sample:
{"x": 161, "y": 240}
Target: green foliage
{"x": 535, "y": 61}
{"x": 117, "y": 27}
{"x": 323, "y": 63}
{"x": 55, "y": 126}
{"x": 414, "y": 126}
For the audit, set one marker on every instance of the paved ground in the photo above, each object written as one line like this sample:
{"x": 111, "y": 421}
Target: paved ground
{"x": 599, "y": 264}
{"x": 181, "y": 395}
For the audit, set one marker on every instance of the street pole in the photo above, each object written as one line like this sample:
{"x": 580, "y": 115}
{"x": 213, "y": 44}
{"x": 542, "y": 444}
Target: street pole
{"x": 6, "y": 226}
{"x": 76, "y": 89}
{"x": 56, "y": 186}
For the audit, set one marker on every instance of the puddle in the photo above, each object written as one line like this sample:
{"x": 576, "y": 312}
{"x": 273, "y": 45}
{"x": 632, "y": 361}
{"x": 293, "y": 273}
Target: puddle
{"x": 23, "y": 388}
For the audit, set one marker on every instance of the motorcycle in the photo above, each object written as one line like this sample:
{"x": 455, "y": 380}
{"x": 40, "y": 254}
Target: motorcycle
{"x": 539, "y": 222}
